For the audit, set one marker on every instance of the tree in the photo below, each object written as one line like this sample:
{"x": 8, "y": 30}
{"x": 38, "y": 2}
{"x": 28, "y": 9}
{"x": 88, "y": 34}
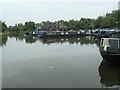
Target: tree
{"x": 98, "y": 22}
{"x": 21, "y": 27}
{"x": 29, "y": 26}
{"x": 110, "y": 20}
{"x": 3, "y": 26}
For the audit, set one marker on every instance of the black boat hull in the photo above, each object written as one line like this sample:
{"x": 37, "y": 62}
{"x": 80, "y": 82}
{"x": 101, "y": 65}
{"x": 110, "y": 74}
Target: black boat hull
{"x": 111, "y": 58}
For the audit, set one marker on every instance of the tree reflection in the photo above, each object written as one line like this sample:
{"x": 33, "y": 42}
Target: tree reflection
{"x": 110, "y": 75}
{"x": 18, "y": 36}
{"x": 3, "y": 40}
{"x": 81, "y": 40}
{"x": 71, "y": 40}
{"x": 30, "y": 39}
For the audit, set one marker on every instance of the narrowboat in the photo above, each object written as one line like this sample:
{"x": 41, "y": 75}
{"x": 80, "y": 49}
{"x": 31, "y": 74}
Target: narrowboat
{"x": 103, "y": 33}
{"x": 43, "y": 34}
{"x": 38, "y": 33}
{"x": 110, "y": 49}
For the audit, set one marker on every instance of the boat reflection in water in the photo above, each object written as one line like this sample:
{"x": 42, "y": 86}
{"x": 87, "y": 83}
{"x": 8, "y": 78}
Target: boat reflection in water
{"x": 71, "y": 40}
{"x": 110, "y": 75}
{"x": 83, "y": 40}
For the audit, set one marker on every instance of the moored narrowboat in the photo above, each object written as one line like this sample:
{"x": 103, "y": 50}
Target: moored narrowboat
{"x": 43, "y": 34}
{"x": 110, "y": 49}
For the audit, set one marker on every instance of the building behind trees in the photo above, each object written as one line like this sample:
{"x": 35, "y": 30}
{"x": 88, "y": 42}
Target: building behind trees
{"x": 50, "y": 26}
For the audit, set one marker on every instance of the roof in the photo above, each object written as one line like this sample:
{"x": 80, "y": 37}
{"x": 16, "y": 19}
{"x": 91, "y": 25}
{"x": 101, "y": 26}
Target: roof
{"x": 112, "y": 38}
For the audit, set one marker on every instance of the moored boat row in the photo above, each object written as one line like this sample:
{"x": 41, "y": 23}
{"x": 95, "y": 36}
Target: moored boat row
{"x": 99, "y": 33}
{"x": 56, "y": 33}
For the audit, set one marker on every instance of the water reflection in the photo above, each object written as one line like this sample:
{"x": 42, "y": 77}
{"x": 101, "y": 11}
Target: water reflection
{"x": 18, "y": 36}
{"x": 63, "y": 65}
{"x": 110, "y": 75}
{"x": 3, "y": 40}
{"x": 71, "y": 40}
{"x": 30, "y": 39}
{"x": 81, "y": 40}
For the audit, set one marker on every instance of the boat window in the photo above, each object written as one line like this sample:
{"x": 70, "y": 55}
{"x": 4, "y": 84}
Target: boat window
{"x": 119, "y": 44}
{"x": 96, "y": 31}
{"x": 114, "y": 45}
{"x": 108, "y": 41}
{"x": 103, "y": 32}
{"x": 102, "y": 42}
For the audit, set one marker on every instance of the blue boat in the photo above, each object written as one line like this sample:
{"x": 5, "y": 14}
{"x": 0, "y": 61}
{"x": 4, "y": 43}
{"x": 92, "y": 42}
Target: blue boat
{"x": 38, "y": 33}
{"x": 103, "y": 33}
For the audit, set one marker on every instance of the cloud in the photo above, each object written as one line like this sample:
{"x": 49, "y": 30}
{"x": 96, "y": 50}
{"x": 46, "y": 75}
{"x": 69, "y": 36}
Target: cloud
{"x": 15, "y": 12}
{"x": 58, "y": 1}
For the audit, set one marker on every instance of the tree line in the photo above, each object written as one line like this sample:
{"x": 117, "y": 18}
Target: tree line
{"x": 110, "y": 20}
{"x": 27, "y": 26}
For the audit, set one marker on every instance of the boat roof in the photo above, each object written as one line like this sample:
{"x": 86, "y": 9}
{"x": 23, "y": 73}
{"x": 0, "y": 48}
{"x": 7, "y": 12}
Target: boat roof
{"x": 112, "y": 38}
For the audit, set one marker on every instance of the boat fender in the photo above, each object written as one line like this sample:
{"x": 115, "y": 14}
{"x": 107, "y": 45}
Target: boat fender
{"x": 105, "y": 47}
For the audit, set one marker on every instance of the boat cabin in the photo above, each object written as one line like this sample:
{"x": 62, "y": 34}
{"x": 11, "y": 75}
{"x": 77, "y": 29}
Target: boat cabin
{"x": 102, "y": 33}
{"x": 111, "y": 45}
{"x": 38, "y": 33}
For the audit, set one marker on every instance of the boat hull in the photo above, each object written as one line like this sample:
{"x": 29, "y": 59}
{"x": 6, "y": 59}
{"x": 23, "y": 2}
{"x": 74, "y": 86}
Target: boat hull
{"x": 111, "y": 58}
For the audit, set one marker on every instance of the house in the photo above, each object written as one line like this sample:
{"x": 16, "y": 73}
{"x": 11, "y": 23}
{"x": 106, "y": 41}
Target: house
{"x": 50, "y": 26}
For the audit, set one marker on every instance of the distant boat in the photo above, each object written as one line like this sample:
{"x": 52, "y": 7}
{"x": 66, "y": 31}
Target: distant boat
{"x": 57, "y": 33}
{"x": 103, "y": 33}
{"x": 110, "y": 49}
{"x": 38, "y": 33}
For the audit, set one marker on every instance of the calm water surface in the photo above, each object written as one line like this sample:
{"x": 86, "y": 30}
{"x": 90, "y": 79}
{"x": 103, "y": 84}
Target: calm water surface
{"x": 32, "y": 62}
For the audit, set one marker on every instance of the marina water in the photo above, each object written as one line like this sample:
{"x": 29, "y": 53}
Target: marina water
{"x": 32, "y": 62}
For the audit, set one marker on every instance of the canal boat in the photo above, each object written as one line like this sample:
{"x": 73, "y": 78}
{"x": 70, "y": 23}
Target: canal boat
{"x": 38, "y": 33}
{"x": 110, "y": 49}
{"x": 43, "y": 34}
{"x": 103, "y": 33}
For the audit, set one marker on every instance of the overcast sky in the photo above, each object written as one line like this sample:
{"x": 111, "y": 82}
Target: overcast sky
{"x": 14, "y": 11}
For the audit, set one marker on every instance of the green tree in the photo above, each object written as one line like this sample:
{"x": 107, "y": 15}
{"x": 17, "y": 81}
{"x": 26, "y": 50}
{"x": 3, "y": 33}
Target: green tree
{"x": 21, "y": 27}
{"x": 29, "y": 25}
{"x": 3, "y": 26}
{"x": 98, "y": 22}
